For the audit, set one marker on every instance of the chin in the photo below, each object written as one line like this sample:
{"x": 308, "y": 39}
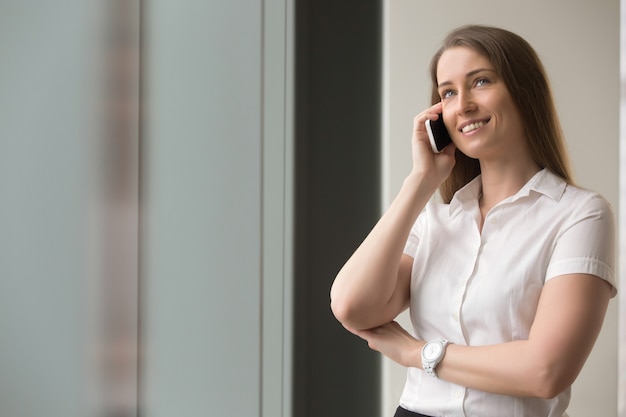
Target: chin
{"x": 476, "y": 149}
{"x": 470, "y": 153}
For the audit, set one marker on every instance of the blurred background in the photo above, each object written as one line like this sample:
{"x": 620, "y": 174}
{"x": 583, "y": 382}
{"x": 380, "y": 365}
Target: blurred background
{"x": 181, "y": 180}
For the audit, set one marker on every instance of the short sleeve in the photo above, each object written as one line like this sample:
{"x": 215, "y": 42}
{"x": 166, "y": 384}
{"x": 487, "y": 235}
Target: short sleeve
{"x": 587, "y": 242}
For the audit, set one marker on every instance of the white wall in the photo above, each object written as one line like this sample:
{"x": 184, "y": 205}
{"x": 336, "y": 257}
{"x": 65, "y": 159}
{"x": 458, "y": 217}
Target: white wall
{"x": 579, "y": 45}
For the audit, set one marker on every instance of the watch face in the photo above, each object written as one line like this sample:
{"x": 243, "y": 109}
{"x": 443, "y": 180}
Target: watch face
{"x": 432, "y": 350}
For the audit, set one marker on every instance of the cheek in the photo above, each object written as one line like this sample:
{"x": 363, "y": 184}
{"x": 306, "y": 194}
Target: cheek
{"x": 509, "y": 110}
{"x": 514, "y": 118}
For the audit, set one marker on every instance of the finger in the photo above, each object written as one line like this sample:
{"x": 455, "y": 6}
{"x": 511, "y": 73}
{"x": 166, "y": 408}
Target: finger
{"x": 435, "y": 108}
{"x": 449, "y": 150}
{"x": 432, "y": 113}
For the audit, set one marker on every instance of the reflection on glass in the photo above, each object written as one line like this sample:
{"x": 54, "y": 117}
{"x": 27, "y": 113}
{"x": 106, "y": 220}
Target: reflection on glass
{"x": 117, "y": 355}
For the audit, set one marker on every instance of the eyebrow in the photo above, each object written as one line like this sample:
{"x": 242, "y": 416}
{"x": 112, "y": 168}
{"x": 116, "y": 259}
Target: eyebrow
{"x": 468, "y": 75}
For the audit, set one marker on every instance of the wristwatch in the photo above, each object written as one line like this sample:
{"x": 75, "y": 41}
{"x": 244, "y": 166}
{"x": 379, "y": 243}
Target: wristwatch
{"x": 432, "y": 353}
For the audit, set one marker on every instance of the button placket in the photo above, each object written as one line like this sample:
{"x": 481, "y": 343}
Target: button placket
{"x": 495, "y": 215}
{"x": 458, "y": 394}
{"x": 459, "y": 296}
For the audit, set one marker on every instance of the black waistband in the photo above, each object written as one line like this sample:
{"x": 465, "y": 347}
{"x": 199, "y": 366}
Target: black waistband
{"x": 401, "y": 412}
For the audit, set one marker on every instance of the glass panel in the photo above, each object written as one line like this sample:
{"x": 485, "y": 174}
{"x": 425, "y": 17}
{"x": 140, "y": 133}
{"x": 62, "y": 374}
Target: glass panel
{"x": 68, "y": 214}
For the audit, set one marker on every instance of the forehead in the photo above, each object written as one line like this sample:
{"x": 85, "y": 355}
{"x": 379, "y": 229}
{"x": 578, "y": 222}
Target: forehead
{"x": 458, "y": 61}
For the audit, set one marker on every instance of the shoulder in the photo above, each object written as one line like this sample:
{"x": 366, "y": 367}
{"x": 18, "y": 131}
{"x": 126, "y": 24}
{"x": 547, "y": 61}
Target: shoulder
{"x": 569, "y": 197}
{"x": 586, "y": 236}
{"x": 586, "y": 202}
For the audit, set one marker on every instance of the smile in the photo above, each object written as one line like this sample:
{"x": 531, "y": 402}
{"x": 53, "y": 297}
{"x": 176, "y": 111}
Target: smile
{"x": 473, "y": 126}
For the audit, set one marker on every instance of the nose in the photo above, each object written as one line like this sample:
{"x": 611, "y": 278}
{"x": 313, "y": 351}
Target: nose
{"x": 465, "y": 102}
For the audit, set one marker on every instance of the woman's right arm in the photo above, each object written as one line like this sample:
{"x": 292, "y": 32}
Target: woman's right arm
{"x": 372, "y": 288}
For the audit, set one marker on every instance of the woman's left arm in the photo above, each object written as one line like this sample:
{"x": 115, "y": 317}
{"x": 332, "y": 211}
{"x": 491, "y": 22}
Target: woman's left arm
{"x": 569, "y": 317}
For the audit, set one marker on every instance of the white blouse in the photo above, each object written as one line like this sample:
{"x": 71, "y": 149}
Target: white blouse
{"x": 476, "y": 288}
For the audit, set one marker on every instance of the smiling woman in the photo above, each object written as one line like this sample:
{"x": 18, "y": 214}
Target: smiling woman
{"x": 586, "y": 88}
{"x": 508, "y": 280}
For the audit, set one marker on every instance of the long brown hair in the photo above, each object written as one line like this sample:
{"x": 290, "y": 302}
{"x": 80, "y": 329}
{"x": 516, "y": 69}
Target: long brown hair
{"x": 526, "y": 80}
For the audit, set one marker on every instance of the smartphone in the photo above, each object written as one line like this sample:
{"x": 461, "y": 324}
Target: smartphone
{"x": 438, "y": 134}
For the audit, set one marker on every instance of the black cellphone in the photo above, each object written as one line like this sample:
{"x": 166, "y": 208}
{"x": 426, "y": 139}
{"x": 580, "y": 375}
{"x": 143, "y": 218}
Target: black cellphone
{"x": 438, "y": 134}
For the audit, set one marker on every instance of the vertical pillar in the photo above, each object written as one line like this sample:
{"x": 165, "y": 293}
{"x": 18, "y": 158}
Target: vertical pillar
{"x": 337, "y": 139}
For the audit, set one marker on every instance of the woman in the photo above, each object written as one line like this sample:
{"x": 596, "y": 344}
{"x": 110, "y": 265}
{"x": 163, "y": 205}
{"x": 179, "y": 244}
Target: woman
{"x": 508, "y": 280}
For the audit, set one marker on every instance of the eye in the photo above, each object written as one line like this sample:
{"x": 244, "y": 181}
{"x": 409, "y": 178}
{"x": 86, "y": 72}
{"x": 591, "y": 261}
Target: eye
{"x": 446, "y": 94}
{"x": 480, "y": 82}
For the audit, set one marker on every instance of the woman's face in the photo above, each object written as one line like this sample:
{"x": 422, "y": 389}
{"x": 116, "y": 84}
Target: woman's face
{"x": 478, "y": 109}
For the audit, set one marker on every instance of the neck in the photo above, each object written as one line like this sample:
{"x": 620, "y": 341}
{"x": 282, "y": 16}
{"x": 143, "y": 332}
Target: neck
{"x": 502, "y": 181}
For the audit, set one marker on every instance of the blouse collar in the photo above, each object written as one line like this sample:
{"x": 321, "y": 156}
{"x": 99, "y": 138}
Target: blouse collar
{"x": 543, "y": 182}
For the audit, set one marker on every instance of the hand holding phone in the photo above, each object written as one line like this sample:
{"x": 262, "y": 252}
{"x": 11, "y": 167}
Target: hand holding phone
{"x": 438, "y": 134}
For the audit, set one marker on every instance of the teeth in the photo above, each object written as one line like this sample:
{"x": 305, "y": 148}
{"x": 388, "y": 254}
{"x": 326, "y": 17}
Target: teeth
{"x": 473, "y": 126}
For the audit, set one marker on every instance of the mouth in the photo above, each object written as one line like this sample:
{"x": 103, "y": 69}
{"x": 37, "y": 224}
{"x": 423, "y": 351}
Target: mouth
{"x": 470, "y": 127}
